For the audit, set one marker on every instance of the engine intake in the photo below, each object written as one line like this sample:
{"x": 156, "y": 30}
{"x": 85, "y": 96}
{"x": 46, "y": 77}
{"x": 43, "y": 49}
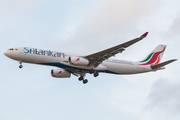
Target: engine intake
{"x": 78, "y": 61}
{"x": 60, "y": 73}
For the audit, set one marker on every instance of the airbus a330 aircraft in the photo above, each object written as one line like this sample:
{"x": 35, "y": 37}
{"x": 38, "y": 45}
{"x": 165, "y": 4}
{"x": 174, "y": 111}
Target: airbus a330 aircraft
{"x": 95, "y": 63}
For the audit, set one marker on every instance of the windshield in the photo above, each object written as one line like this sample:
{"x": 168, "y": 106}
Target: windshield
{"x": 11, "y": 49}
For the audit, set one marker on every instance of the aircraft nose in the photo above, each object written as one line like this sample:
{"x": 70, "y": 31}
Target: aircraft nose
{"x": 5, "y": 53}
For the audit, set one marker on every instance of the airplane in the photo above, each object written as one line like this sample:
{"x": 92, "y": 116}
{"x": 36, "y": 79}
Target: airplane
{"x": 99, "y": 62}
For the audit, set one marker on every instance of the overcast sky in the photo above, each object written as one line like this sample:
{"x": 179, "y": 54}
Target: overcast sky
{"x": 85, "y": 27}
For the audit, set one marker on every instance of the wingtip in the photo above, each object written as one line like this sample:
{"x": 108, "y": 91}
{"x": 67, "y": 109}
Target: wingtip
{"x": 174, "y": 59}
{"x": 144, "y": 35}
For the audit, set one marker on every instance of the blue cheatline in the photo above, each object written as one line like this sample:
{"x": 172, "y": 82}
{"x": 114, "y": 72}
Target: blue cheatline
{"x": 64, "y": 66}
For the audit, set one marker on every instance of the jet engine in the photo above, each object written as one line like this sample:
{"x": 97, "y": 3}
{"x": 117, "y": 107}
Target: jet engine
{"x": 60, "y": 73}
{"x": 78, "y": 61}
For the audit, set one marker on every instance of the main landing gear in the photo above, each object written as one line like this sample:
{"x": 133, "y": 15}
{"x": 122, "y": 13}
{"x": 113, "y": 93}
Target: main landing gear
{"x": 82, "y": 79}
{"x": 93, "y": 72}
{"x": 96, "y": 73}
{"x": 20, "y": 66}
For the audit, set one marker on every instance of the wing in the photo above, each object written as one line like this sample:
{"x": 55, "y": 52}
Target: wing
{"x": 98, "y": 57}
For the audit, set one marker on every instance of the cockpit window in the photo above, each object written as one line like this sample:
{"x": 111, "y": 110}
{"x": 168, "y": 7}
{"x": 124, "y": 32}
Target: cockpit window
{"x": 11, "y": 49}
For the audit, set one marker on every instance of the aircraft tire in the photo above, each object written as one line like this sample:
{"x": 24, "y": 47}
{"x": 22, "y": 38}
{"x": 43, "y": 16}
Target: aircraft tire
{"x": 85, "y": 81}
{"x": 80, "y": 78}
{"x": 91, "y": 71}
{"x": 96, "y": 74}
{"x": 20, "y": 66}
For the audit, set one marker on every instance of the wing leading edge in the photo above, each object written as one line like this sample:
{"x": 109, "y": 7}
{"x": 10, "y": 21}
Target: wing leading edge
{"x": 98, "y": 57}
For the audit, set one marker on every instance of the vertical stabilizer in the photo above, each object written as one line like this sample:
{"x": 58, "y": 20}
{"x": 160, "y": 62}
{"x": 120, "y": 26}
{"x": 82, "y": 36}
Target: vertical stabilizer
{"x": 154, "y": 57}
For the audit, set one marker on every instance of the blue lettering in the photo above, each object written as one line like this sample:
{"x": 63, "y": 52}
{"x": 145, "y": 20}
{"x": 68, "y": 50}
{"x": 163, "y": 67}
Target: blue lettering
{"x": 63, "y": 55}
{"x": 42, "y": 52}
{"x": 38, "y": 53}
{"x": 30, "y": 51}
{"x": 26, "y": 50}
{"x": 58, "y": 54}
{"x": 34, "y": 51}
{"x": 49, "y": 53}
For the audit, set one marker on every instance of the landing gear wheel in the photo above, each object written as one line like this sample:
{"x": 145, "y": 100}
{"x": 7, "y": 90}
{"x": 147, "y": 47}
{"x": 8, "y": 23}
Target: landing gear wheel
{"x": 85, "y": 81}
{"x": 20, "y": 66}
{"x": 80, "y": 78}
{"x": 96, "y": 74}
{"x": 91, "y": 71}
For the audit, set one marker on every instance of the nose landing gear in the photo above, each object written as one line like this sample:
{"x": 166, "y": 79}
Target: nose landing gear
{"x": 20, "y": 66}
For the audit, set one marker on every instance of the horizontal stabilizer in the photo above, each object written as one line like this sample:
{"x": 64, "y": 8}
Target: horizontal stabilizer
{"x": 162, "y": 64}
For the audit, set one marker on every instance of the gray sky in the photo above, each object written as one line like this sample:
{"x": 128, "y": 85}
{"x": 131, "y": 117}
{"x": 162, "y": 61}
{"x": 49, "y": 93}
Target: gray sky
{"x": 85, "y": 27}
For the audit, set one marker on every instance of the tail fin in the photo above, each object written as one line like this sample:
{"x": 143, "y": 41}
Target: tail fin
{"x": 155, "y": 56}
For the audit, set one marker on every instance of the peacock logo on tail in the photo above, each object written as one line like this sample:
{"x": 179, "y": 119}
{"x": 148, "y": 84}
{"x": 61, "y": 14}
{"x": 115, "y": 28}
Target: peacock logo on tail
{"x": 153, "y": 58}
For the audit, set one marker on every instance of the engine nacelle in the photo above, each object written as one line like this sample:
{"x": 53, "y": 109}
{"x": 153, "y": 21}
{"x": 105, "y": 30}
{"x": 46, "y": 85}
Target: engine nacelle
{"x": 60, "y": 73}
{"x": 78, "y": 61}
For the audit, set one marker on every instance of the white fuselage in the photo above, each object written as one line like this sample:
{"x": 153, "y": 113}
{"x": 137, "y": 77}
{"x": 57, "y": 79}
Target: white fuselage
{"x": 60, "y": 59}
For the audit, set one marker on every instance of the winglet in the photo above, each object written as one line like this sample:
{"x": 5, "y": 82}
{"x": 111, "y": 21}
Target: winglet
{"x": 144, "y": 35}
